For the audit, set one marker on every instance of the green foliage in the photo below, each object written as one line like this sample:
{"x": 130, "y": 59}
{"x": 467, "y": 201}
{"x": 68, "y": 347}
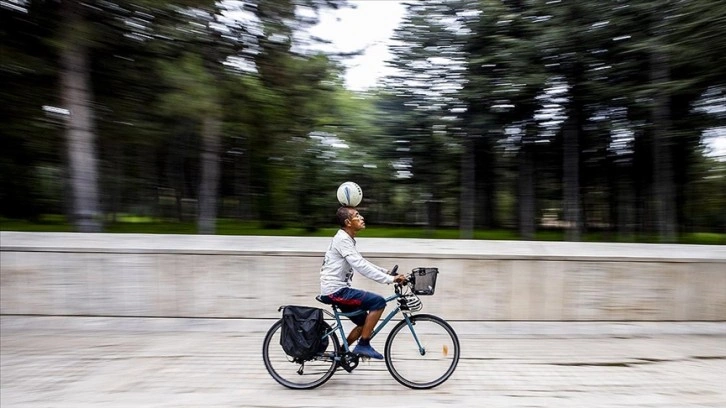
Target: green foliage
{"x": 475, "y": 76}
{"x": 193, "y": 93}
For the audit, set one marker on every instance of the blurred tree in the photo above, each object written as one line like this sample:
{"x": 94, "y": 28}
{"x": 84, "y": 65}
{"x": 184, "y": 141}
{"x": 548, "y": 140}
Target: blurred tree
{"x": 600, "y": 107}
{"x": 569, "y": 43}
{"x": 668, "y": 56}
{"x": 202, "y": 42}
{"x": 260, "y": 45}
{"x": 30, "y": 136}
{"x": 77, "y": 95}
{"x": 429, "y": 62}
{"x": 504, "y": 77}
{"x": 195, "y": 97}
{"x": 695, "y": 63}
{"x": 293, "y": 81}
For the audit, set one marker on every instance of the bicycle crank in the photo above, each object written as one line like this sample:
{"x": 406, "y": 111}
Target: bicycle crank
{"x": 349, "y": 361}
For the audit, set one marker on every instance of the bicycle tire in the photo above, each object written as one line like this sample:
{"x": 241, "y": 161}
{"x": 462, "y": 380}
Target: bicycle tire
{"x": 430, "y": 369}
{"x": 315, "y": 372}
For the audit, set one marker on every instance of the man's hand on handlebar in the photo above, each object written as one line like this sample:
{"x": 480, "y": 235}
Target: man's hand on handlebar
{"x": 397, "y": 279}
{"x": 400, "y": 279}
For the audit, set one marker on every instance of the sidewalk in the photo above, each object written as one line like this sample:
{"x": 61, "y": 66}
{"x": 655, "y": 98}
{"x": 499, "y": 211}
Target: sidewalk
{"x": 131, "y": 362}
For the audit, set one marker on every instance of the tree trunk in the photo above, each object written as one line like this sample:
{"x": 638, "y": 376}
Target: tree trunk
{"x": 663, "y": 184}
{"x": 117, "y": 178}
{"x": 571, "y": 182}
{"x": 526, "y": 193}
{"x": 247, "y": 203}
{"x": 80, "y": 132}
{"x": 625, "y": 207}
{"x": 571, "y": 161}
{"x": 468, "y": 187}
{"x": 209, "y": 184}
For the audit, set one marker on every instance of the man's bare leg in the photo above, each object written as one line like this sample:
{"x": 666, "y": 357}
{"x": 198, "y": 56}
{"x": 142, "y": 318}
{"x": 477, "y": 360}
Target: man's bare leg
{"x": 354, "y": 334}
{"x": 370, "y": 324}
{"x": 364, "y": 343}
{"x": 367, "y": 328}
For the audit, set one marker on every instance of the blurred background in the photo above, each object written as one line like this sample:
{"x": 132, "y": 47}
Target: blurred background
{"x": 589, "y": 120}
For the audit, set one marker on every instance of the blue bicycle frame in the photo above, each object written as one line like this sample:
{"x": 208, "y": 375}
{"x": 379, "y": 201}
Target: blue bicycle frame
{"x": 339, "y": 325}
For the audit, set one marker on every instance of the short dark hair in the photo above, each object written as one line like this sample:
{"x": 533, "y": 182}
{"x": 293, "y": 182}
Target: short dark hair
{"x": 342, "y": 215}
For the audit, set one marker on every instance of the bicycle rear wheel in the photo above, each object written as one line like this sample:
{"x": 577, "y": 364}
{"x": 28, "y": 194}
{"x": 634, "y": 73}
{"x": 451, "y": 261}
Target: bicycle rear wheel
{"x": 424, "y": 367}
{"x": 295, "y": 374}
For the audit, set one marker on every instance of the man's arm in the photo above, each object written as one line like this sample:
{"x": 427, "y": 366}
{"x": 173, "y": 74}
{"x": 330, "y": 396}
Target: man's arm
{"x": 368, "y": 269}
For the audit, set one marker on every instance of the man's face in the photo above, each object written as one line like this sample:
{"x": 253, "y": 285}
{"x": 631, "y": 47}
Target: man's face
{"x": 357, "y": 222}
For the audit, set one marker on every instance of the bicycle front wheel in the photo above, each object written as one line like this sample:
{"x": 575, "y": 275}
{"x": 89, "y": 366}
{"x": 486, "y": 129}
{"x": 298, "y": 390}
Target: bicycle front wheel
{"x": 299, "y": 374}
{"x": 424, "y": 354}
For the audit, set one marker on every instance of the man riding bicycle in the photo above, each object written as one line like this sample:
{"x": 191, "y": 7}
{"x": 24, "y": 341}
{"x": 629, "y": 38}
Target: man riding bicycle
{"x": 336, "y": 275}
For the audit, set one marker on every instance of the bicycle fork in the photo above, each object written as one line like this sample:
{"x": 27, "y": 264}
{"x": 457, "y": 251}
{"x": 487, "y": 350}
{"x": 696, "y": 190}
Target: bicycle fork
{"x": 410, "y": 324}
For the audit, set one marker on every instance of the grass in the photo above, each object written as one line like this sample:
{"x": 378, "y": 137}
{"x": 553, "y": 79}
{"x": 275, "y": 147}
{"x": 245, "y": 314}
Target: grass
{"x": 148, "y": 225}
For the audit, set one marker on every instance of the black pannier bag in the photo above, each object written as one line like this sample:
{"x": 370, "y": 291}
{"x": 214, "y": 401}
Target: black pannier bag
{"x": 302, "y": 331}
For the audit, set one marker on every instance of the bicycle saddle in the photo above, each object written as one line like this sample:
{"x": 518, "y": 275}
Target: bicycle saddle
{"x": 320, "y": 299}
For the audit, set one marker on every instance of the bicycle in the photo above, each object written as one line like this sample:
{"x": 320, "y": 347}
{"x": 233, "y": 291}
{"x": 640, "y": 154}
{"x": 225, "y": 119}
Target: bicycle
{"x": 421, "y": 351}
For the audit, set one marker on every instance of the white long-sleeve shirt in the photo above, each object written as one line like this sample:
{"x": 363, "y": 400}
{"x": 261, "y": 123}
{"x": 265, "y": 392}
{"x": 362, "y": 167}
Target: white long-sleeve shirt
{"x": 341, "y": 259}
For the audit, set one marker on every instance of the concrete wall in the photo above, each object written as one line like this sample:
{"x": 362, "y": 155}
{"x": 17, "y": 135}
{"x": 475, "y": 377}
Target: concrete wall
{"x": 249, "y": 277}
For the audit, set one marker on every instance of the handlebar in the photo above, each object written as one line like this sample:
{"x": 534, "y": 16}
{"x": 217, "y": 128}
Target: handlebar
{"x": 394, "y": 272}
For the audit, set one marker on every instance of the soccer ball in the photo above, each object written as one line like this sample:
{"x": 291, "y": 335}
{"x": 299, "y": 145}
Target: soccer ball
{"x": 350, "y": 194}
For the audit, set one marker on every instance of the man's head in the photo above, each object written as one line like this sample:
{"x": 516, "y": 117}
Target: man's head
{"x": 350, "y": 219}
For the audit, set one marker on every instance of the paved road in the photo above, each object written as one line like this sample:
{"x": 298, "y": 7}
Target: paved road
{"x": 127, "y": 362}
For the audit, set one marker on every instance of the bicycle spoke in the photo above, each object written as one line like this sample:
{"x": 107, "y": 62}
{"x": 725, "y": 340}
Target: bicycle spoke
{"x": 427, "y": 368}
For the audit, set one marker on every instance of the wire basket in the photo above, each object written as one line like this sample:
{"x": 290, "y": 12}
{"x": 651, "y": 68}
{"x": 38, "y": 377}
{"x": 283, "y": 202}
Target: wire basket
{"x": 424, "y": 280}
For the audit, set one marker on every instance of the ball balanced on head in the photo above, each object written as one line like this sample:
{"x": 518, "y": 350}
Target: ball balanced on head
{"x": 350, "y": 194}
